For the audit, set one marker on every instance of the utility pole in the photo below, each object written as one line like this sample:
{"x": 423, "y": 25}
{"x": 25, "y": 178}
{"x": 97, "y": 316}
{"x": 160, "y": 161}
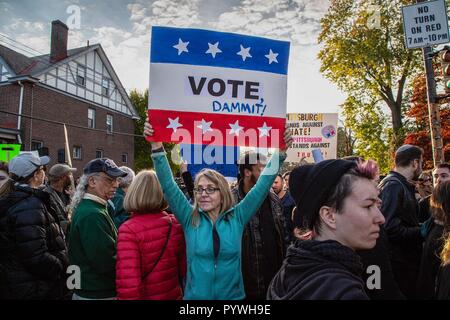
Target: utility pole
{"x": 433, "y": 108}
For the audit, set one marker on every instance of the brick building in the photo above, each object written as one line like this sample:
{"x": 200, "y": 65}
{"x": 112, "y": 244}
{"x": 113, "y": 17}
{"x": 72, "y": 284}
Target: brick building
{"x": 78, "y": 87}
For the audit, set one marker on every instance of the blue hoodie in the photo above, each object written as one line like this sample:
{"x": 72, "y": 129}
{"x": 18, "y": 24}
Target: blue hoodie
{"x": 209, "y": 277}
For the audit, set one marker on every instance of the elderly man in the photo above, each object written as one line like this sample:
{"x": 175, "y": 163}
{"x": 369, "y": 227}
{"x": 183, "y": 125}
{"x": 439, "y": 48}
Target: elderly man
{"x": 93, "y": 234}
{"x": 59, "y": 179}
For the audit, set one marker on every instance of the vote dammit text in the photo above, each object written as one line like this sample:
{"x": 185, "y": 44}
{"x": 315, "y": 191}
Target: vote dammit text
{"x": 235, "y": 89}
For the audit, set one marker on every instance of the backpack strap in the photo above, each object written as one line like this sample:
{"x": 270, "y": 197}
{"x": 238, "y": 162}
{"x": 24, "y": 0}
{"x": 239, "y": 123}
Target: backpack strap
{"x": 162, "y": 252}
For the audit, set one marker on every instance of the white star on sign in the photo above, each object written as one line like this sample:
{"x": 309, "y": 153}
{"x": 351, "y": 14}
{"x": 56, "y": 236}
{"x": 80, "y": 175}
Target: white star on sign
{"x": 235, "y": 128}
{"x": 174, "y": 124}
{"x": 272, "y": 57}
{"x": 205, "y": 126}
{"x": 213, "y": 49}
{"x": 264, "y": 130}
{"x": 244, "y": 53}
{"x": 181, "y": 46}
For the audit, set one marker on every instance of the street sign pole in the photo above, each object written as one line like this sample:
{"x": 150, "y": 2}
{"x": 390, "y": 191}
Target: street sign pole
{"x": 433, "y": 107}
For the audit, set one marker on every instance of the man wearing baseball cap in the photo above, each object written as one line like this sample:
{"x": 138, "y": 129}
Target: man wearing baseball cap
{"x": 59, "y": 180}
{"x": 93, "y": 235}
{"x": 33, "y": 256}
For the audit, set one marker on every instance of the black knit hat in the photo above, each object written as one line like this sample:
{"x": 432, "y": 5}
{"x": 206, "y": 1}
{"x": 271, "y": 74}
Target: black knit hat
{"x": 310, "y": 185}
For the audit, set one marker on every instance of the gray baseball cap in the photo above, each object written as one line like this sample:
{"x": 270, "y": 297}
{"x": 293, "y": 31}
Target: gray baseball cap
{"x": 60, "y": 169}
{"x": 25, "y": 164}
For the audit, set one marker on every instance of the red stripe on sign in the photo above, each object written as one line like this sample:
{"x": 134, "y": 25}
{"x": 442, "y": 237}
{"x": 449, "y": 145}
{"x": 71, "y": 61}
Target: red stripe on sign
{"x": 217, "y": 129}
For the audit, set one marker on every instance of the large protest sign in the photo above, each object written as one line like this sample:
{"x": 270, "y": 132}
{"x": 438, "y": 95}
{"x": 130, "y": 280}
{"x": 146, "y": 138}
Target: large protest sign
{"x": 312, "y": 131}
{"x": 217, "y": 88}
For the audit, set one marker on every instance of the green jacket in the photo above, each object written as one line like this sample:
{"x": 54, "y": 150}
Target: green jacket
{"x": 209, "y": 277}
{"x": 92, "y": 247}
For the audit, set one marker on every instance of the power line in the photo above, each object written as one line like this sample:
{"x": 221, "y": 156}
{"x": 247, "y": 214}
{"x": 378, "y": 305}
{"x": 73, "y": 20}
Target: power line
{"x": 70, "y": 125}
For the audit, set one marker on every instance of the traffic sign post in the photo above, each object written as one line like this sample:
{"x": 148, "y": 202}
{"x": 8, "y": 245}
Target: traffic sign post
{"x": 426, "y": 24}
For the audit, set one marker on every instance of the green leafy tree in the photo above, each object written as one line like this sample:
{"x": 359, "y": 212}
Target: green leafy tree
{"x": 368, "y": 125}
{"x": 345, "y": 142}
{"x": 364, "y": 53}
{"x": 142, "y": 150}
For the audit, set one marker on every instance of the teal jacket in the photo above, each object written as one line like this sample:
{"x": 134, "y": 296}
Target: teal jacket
{"x": 119, "y": 214}
{"x": 210, "y": 278}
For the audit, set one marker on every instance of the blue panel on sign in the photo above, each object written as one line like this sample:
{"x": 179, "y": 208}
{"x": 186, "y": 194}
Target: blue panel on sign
{"x": 191, "y": 47}
{"x": 219, "y": 158}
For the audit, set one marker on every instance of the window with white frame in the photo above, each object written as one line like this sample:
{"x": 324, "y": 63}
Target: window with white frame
{"x": 81, "y": 75}
{"x": 105, "y": 87}
{"x": 76, "y": 152}
{"x": 109, "y": 123}
{"x": 125, "y": 157}
{"x": 36, "y": 145}
{"x": 99, "y": 153}
{"x": 91, "y": 118}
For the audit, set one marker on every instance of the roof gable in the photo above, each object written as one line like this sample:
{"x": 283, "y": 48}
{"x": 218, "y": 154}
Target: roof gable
{"x": 44, "y": 69}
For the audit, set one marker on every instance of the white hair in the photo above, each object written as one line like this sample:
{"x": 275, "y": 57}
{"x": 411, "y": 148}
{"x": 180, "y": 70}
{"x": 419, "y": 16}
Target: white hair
{"x": 125, "y": 182}
{"x": 79, "y": 192}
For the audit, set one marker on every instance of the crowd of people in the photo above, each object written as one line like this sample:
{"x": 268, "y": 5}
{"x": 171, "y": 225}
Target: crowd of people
{"x": 330, "y": 231}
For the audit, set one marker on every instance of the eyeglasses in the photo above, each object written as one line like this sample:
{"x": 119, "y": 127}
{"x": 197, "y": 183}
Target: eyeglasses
{"x": 208, "y": 190}
{"x": 109, "y": 180}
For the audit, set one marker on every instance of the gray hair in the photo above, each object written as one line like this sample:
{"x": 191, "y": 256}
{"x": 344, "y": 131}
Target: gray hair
{"x": 79, "y": 192}
{"x": 124, "y": 182}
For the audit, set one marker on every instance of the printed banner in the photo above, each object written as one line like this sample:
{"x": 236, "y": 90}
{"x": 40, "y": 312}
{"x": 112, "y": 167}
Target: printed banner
{"x": 312, "y": 131}
{"x": 217, "y": 88}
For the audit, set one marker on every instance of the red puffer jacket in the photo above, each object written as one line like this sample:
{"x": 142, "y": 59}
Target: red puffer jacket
{"x": 140, "y": 242}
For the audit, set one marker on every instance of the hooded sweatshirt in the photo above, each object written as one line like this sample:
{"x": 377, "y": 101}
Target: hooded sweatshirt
{"x": 318, "y": 270}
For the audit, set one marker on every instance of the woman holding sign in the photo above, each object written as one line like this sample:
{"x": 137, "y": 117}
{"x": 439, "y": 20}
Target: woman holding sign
{"x": 213, "y": 226}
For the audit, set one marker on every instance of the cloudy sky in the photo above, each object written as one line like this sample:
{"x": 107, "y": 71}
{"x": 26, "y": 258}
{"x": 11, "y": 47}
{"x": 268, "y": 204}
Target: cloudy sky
{"x": 123, "y": 29}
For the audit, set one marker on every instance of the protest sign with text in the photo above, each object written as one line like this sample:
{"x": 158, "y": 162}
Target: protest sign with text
{"x": 217, "y": 88}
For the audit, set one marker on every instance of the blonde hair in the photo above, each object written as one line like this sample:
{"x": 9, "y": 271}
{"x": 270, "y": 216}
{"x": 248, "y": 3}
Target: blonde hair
{"x": 445, "y": 254}
{"x": 145, "y": 195}
{"x": 225, "y": 193}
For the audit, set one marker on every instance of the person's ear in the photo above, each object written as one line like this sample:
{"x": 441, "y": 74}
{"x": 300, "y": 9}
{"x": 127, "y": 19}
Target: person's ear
{"x": 247, "y": 173}
{"x": 328, "y": 216}
{"x": 91, "y": 182}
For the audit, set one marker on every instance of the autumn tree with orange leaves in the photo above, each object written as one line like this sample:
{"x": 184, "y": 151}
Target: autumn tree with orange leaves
{"x": 420, "y": 125}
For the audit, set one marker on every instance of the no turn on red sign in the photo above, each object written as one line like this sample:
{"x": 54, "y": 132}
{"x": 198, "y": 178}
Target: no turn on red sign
{"x": 425, "y": 24}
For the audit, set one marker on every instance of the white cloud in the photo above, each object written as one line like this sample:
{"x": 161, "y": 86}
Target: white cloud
{"x": 176, "y": 13}
{"x": 297, "y": 21}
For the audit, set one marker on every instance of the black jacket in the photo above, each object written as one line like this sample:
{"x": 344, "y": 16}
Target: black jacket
{"x": 443, "y": 283}
{"x": 429, "y": 265}
{"x": 400, "y": 208}
{"x": 262, "y": 256}
{"x": 401, "y": 211}
{"x": 60, "y": 208}
{"x": 379, "y": 256}
{"x": 33, "y": 257}
{"x": 318, "y": 270}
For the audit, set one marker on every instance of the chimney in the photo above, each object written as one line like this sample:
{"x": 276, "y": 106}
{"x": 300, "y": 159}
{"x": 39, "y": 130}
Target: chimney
{"x": 58, "y": 47}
